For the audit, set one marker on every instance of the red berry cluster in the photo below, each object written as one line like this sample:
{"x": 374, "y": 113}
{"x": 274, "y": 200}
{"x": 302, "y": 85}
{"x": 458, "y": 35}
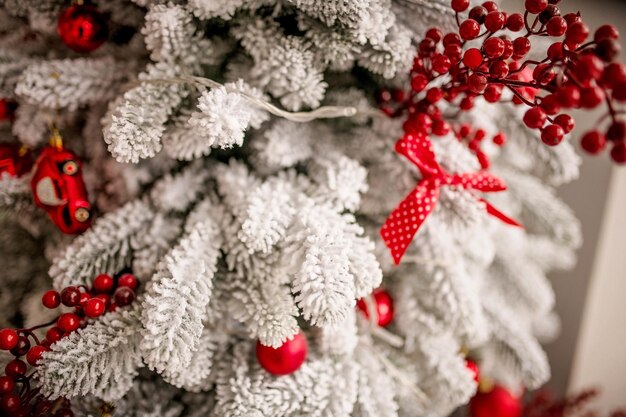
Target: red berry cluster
{"x": 482, "y": 60}
{"x": 17, "y": 398}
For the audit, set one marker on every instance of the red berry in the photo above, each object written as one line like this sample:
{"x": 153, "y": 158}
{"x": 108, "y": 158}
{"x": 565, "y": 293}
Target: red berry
{"x": 606, "y": 32}
{"x": 493, "y": 93}
{"x": 384, "y": 307}
{"x": 398, "y": 96}
{"x": 124, "y": 296}
{"x": 619, "y": 92}
{"x": 494, "y": 21}
{"x": 464, "y": 130}
{"x": 515, "y": 22}
{"x": 453, "y": 52}
{"x": 6, "y": 385}
{"x": 460, "y": 5}
{"x": 593, "y": 142}
{"x": 588, "y": 67}
{"x": 577, "y": 33}
{"x": 34, "y": 354}
{"x": 95, "y": 307}
{"x": 552, "y": 135}
{"x": 535, "y": 6}
{"x": 441, "y": 64}
{"x": 478, "y": 13}
{"x": 499, "y": 139}
{"x": 473, "y": 58}
{"x": 10, "y": 404}
{"x": 556, "y": 26}
{"x": 566, "y": 122}
{"x": 616, "y": 132}
{"x": 467, "y": 103}
{"x": 550, "y": 104}
{"x": 70, "y": 296}
{"x": 51, "y": 299}
{"x": 106, "y": 299}
{"x": 8, "y": 339}
{"x": 469, "y": 29}
{"x": 544, "y": 74}
{"x": 434, "y": 94}
{"x": 451, "y": 39}
{"x": 473, "y": 368}
{"x": 284, "y": 360}
{"x": 15, "y": 368}
{"x": 103, "y": 283}
{"x": 569, "y": 96}
{"x": 555, "y": 51}
{"x": 54, "y": 334}
{"x": 127, "y": 280}
{"x": 490, "y": 6}
{"x": 68, "y": 322}
{"x": 535, "y": 118}
{"x": 427, "y": 47}
{"x": 434, "y": 34}
{"x": 440, "y": 128}
{"x": 618, "y": 153}
{"x": 477, "y": 83}
{"x": 84, "y": 297}
{"x": 23, "y": 344}
{"x": 591, "y": 97}
{"x": 499, "y": 69}
{"x": 607, "y": 49}
{"x": 493, "y": 47}
{"x": 112, "y": 307}
{"x": 508, "y": 49}
{"x": 419, "y": 82}
{"x": 550, "y": 12}
{"x": 521, "y": 46}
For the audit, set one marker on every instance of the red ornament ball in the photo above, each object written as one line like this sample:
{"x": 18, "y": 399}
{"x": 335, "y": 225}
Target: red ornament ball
{"x": 285, "y": 359}
{"x": 103, "y": 283}
{"x": 499, "y": 402}
{"x": 82, "y": 28}
{"x": 8, "y": 339}
{"x": 384, "y": 307}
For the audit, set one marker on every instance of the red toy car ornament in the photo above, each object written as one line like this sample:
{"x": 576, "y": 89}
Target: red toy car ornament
{"x": 58, "y": 188}
{"x": 15, "y": 159}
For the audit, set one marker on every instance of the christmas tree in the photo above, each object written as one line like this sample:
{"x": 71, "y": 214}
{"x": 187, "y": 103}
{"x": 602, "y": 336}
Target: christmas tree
{"x": 288, "y": 207}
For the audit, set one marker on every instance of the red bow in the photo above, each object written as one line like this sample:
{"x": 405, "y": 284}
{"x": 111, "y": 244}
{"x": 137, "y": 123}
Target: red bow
{"x": 402, "y": 224}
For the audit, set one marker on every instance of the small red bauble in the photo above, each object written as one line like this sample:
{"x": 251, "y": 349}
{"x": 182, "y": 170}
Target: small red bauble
{"x": 68, "y": 322}
{"x": 8, "y": 339}
{"x": 10, "y": 404}
{"x": 82, "y": 28}
{"x": 593, "y": 142}
{"x": 552, "y": 135}
{"x": 499, "y": 402}
{"x": 127, "y": 280}
{"x": 473, "y": 58}
{"x": 515, "y": 22}
{"x": 460, "y": 5}
{"x": 473, "y": 368}
{"x": 34, "y": 354}
{"x": 469, "y": 29}
{"x": 285, "y": 359}
{"x": 15, "y": 368}
{"x": 103, "y": 283}
{"x": 6, "y": 384}
{"x": 58, "y": 188}
{"x": 384, "y": 307}
{"x": 535, "y": 6}
{"x": 51, "y": 299}
{"x": 94, "y": 307}
{"x": 124, "y": 296}
{"x": 618, "y": 153}
{"x": 535, "y": 118}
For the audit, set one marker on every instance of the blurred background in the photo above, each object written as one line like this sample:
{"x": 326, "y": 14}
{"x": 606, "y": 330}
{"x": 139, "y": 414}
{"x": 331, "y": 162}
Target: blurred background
{"x": 591, "y": 299}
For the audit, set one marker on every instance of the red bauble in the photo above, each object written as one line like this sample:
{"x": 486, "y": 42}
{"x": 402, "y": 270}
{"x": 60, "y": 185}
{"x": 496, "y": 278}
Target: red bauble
{"x": 499, "y": 402}
{"x": 384, "y": 307}
{"x": 15, "y": 159}
{"x": 83, "y": 28}
{"x": 285, "y": 359}
{"x": 58, "y": 188}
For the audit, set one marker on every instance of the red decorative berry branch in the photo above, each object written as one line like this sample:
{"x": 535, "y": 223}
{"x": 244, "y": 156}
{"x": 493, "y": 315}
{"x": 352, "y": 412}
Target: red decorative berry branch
{"x": 481, "y": 59}
{"x": 17, "y": 396}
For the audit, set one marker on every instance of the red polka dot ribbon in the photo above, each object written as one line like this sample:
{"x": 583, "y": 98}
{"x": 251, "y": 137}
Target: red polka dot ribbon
{"x": 406, "y": 219}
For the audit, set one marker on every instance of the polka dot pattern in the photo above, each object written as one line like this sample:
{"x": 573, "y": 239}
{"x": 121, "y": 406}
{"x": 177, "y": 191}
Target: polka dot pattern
{"x": 406, "y": 219}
